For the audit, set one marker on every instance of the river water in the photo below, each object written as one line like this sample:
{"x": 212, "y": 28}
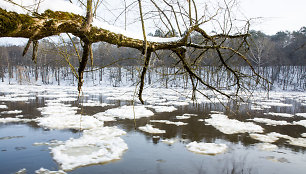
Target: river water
{"x": 21, "y": 141}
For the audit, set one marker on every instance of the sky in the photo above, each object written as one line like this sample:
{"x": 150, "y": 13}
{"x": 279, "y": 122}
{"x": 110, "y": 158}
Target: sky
{"x": 277, "y": 15}
{"x": 268, "y": 16}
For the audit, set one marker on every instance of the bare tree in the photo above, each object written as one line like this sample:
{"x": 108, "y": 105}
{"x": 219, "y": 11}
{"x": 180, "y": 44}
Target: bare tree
{"x": 189, "y": 18}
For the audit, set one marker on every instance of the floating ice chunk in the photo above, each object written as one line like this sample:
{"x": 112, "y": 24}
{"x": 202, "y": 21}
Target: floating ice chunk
{"x": 264, "y": 138}
{"x": 303, "y": 134}
{"x": 163, "y": 108}
{"x": 102, "y": 117}
{"x": 58, "y": 109}
{"x": 129, "y": 112}
{"x": 231, "y": 126}
{"x": 270, "y": 122}
{"x": 46, "y": 171}
{"x": 177, "y": 123}
{"x": 98, "y": 145}
{"x": 96, "y": 104}
{"x": 169, "y": 141}
{"x": 69, "y": 122}
{"x": 279, "y": 114}
{"x": 185, "y": 116}
{"x": 206, "y": 148}
{"x": 301, "y": 122}
{"x": 301, "y": 114}
{"x": 11, "y": 112}
{"x": 12, "y": 120}
{"x": 201, "y": 120}
{"x": 3, "y": 107}
{"x": 182, "y": 117}
{"x": 22, "y": 171}
{"x": 49, "y": 143}
{"x": 297, "y": 142}
{"x": 267, "y": 146}
{"x": 149, "y": 128}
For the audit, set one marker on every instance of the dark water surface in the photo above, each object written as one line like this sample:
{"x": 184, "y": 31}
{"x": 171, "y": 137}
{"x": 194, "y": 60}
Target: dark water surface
{"x": 148, "y": 155}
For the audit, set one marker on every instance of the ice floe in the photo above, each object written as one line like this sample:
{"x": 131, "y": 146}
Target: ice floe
{"x": 22, "y": 171}
{"x": 185, "y": 116}
{"x": 301, "y": 114}
{"x": 303, "y": 134}
{"x": 102, "y": 117}
{"x": 12, "y": 120}
{"x": 264, "y": 138}
{"x": 301, "y": 122}
{"x": 99, "y": 145}
{"x": 177, "y": 123}
{"x": 232, "y": 126}
{"x": 169, "y": 141}
{"x": 3, "y": 107}
{"x": 50, "y": 143}
{"x": 206, "y": 148}
{"x": 77, "y": 122}
{"x": 297, "y": 142}
{"x": 46, "y": 171}
{"x": 163, "y": 108}
{"x": 270, "y": 122}
{"x": 279, "y": 114}
{"x": 266, "y": 146}
{"x": 91, "y": 103}
{"x": 129, "y": 112}
{"x": 11, "y": 112}
{"x": 150, "y": 129}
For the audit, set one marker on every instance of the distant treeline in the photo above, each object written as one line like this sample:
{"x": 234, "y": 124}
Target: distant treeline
{"x": 283, "y": 48}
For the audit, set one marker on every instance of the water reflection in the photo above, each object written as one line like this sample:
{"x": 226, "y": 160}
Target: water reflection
{"x": 147, "y": 153}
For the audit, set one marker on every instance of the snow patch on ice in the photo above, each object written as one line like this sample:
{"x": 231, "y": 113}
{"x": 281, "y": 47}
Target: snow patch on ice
{"x": 150, "y": 129}
{"x": 206, "y": 148}
{"x": 232, "y": 126}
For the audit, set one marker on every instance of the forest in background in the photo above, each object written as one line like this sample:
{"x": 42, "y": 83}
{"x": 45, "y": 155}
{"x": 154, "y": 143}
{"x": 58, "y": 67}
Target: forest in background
{"x": 280, "y": 58}
{"x": 283, "y": 48}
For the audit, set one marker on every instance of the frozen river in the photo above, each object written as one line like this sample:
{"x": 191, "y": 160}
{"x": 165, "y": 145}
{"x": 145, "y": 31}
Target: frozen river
{"x": 47, "y": 128}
